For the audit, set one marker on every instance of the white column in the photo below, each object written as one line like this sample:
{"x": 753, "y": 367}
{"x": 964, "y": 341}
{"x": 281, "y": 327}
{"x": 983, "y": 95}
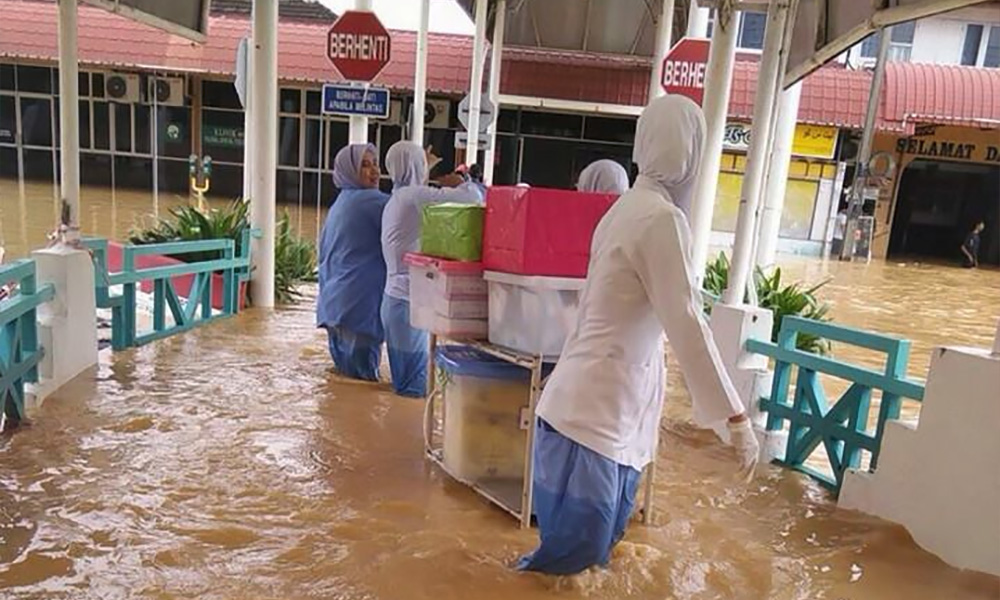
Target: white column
{"x": 856, "y": 199}
{"x": 768, "y": 82}
{"x": 496, "y": 64}
{"x": 358, "y": 126}
{"x": 420, "y": 78}
{"x": 69, "y": 116}
{"x": 476, "y": 83}
{"x": 777, "y": 174}
{"x": 664, "y": 32}
{"x": 698, "y": 21}
{"x": 264, "y": 83}
{"x": 718, "y": 81}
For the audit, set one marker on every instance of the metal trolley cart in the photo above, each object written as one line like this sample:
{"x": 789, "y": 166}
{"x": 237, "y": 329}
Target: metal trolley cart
{"x": 515, "y": 497}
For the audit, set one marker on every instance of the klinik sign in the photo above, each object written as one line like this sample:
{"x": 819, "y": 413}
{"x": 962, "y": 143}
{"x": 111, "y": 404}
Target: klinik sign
{"x": 684, "y": 69}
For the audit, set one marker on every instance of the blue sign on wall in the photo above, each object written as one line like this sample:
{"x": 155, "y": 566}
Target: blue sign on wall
{"x": 352, "y": 100}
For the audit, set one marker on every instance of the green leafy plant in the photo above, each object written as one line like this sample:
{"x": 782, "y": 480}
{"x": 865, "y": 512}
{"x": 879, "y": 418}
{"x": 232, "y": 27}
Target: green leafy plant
{"x": 294, "y": 258}
{"x": 188, "y": 223}
{"x": 294, "y": 262}
{"x": 783, "y": 300}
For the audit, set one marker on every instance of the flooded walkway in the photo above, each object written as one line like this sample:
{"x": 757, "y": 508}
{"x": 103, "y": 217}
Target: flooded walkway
{"x": 232, "y": 463}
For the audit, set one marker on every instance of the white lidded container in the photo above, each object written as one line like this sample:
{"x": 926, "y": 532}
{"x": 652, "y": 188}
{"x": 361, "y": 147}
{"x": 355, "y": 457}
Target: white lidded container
{"x": 447, "y": 297}
{"x": 532, "y": 314}
{"x": 483, "y": 439}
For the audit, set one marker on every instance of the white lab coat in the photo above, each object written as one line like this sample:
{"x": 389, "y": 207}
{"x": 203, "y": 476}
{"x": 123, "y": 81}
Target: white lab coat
{"x": 607, "y": 390}
{"x": 407, "y": 165}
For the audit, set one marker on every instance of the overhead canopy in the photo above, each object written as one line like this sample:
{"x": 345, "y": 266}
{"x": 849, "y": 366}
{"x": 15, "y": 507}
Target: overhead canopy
{"x": 188, "y": 18}
{"x": 826, "y": 28}
{"x": 624, "y": 27}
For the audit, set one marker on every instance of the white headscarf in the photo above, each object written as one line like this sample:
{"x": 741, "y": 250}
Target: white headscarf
{"x": 603, "y": 176}
{"x": 407, "y": 164}
{"x": 668, "y": 142}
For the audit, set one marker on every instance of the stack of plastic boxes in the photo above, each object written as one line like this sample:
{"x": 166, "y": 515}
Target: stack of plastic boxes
{"x": 448, "y": 297}
{"x": 536, "y": 249}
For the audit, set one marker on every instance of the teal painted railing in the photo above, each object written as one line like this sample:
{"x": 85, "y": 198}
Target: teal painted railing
{"x": 19, "y": 349}
{"x": 842, "y": 427}
{"x": 195, "y": 310}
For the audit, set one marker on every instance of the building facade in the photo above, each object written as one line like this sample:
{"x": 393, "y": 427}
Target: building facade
{"x": 559, "y": 111}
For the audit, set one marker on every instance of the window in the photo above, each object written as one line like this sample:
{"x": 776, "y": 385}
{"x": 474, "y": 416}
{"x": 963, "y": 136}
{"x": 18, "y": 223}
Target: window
{"x": 901, "y": 41}
{"x": 288, "y": 141}
{"x": 869, "y": 47}
{"x": 84, "y": 107}
{"x": 34, "y": 79}
{"x": 7, "y": 120}
{"x": 123, "y": 127}
{"x": 7, "y": 77}
{"x": 291, "y": 100}
{"x": 991, "y": 57}
{"x": 102, "y": 126}
{"x": 751, "y": 34}
{"x": 220, "y": 94}
{"x": 36, "y": 121}
{"x": 980, "y": 52}
{"x": 970, "y": 48}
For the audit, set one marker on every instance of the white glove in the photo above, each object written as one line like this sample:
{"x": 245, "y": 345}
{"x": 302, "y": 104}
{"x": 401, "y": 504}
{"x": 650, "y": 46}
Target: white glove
{"x": 744, "y": 441}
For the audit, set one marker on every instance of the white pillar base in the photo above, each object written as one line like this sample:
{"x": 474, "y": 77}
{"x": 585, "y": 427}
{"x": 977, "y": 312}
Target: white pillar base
{"x": 940, "y": 479}
{"x": 67, "y": 326}
{"x": 732, "y": 326}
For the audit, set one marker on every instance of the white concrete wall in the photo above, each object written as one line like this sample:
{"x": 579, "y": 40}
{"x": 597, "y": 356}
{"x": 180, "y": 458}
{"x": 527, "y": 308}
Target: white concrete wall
{"x": 939, "y": 40}
{"x": 941, "y": 478}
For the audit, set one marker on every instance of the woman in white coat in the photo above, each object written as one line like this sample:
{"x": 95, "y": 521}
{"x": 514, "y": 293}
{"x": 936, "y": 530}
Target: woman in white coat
{"x": 599, "y": 414}
{"x": 604, "y": 176}
{"x": 407, "y": 347}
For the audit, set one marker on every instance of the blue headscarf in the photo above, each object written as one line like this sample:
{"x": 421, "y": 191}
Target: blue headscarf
{"x": 347, "y": 165}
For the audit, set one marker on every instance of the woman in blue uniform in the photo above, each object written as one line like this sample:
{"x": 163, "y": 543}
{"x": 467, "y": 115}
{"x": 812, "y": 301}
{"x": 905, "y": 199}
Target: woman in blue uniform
{"x": 351, "y": 267}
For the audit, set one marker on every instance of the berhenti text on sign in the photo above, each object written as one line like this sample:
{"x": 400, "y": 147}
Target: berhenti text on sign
{"x": 359, "y": 46}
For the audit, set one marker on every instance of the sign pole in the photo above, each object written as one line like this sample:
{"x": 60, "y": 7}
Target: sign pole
{"x": 420, "y": 77}
{"x": 718, "y": 81}
{"x": 664, "y": 32}
{"x": 69, "y": 119}
{"x": 358, "y": 131}
{"x": 856, "y": 199}
{"x": 476, "y": 83}
{"x": 496, "y": 62}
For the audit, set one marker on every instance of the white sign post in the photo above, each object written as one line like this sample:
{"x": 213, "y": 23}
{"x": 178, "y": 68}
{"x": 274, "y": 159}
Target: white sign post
{"x": 487, "y": 113}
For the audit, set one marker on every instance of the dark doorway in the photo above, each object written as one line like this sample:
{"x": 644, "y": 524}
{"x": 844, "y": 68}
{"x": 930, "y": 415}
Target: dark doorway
{"x": 938, "y": 204}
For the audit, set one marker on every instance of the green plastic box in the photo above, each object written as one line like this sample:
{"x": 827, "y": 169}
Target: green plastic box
{"x": 452, "y": 231}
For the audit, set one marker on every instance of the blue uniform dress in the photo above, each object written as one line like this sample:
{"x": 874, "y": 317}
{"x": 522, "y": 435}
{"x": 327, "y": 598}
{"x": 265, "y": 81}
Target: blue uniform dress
{"x": 352, "y": 273}
{"x": 407, "y": 346}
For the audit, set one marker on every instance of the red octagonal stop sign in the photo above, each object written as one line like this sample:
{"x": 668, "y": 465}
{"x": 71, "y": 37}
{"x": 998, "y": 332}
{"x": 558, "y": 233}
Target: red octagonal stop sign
{"x": 684, "y": 69}
{"x": 358, "y": 45}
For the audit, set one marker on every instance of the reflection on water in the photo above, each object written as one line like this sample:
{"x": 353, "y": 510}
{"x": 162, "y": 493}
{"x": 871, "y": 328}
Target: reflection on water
{"x": 231, "y": 463}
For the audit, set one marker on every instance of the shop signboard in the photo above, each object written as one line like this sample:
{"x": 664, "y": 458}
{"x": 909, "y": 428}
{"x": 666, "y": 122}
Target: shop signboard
{"x": 222, "y": 136}
{"x": 810, "y": 141}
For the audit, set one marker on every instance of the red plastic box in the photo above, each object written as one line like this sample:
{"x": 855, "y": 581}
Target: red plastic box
{"x": 539, "y": 231}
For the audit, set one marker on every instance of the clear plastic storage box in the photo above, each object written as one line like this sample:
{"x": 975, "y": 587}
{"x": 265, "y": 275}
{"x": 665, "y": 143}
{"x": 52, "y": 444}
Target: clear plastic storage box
{"x": 530, "y": 314}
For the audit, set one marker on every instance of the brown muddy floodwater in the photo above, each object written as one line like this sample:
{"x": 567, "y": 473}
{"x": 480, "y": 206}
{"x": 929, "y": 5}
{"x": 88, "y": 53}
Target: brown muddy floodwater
{"x": 232, "y": 463}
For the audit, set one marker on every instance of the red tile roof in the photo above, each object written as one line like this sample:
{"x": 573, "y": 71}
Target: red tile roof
{"x": 831, "y": 96}
{"x": 941, "y": 94}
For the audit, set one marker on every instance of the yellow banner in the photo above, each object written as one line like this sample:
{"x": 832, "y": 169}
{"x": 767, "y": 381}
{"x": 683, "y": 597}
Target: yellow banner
{"x": 814, "y": 141}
